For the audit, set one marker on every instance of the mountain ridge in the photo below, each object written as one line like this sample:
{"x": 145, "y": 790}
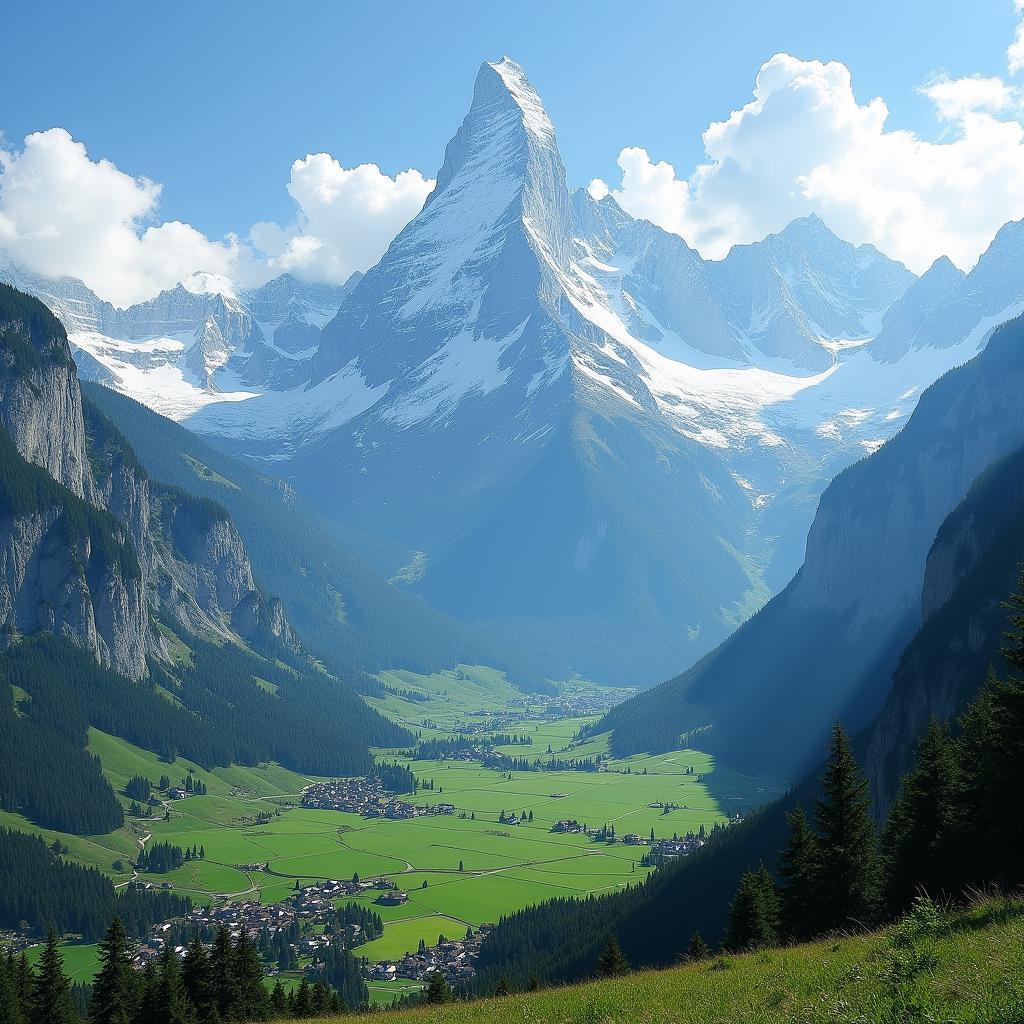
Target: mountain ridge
{"x": 516, "y": 336}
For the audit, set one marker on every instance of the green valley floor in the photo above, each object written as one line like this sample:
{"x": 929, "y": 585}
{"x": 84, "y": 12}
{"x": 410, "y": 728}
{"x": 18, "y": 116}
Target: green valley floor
{"x": 459, "y": 870}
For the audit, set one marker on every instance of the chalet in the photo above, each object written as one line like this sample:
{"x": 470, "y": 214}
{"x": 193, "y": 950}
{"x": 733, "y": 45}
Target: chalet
{"x": 392, "y": 899}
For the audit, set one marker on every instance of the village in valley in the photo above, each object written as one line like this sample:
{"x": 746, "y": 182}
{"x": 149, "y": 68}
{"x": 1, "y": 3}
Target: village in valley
{"x": 297, "y": 933}
{"x": 504, "y": 800}
{"x": 367, "y": 797}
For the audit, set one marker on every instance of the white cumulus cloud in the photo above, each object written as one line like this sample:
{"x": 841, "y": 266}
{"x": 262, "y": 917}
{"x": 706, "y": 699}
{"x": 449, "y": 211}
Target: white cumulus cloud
{"x": 347, "y": 217}
{"x": 804, "y": 143}
{"x": 64, "y": 213}
{"x": 956, "y": 97}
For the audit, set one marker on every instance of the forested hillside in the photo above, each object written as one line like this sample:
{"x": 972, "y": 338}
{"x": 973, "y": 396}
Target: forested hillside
{"x": 131, "y": 606}
{"x": 972, "y": 569}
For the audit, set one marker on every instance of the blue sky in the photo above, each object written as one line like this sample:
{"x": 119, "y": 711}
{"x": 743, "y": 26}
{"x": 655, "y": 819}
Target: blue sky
{"x": 215, "y": 101}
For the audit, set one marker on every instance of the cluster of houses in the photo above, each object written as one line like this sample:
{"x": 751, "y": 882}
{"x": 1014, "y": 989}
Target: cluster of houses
{"x": 661, "y": 850}
{"x": 366, "y": 797}
{"x": 16, "y": 940}
{"x": 455, "y": 958}
{"x": 308, "y": 906}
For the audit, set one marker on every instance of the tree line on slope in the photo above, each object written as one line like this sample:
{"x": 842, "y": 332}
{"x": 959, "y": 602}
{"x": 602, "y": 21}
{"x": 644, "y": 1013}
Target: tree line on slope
{"x": 312, "y": 724}
{"x": 44, "y": 890}
{"x": 957, "y": 826}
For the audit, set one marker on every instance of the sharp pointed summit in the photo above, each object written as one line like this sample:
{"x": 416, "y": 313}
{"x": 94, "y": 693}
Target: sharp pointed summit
{"x": 590, "y": 435}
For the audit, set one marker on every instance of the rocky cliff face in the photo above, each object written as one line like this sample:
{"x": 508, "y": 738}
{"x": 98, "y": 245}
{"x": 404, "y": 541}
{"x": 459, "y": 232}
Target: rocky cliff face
{"x": 829, "y": 643}
{"x": 88, "y": 545}
{"x": 971, "y": 569}
{"x": 39, "y": 397}
{"x": 206, "y": 580}
{"x": 67, "y": 568}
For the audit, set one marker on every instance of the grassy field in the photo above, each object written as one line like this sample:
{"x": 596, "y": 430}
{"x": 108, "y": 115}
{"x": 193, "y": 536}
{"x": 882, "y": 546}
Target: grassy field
{"x": 81, "y": 962}
{"x": 259, "y": 842}
{"x": 966, "y": 967}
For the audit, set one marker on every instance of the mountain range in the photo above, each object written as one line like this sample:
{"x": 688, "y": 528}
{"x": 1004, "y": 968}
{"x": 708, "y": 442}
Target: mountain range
{"x": 540, "y": 435}
{"x": 574, "y": 431}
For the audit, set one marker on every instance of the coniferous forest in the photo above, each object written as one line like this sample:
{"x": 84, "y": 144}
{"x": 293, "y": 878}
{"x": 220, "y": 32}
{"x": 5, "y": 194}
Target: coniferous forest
{"x": 43, "y": 889}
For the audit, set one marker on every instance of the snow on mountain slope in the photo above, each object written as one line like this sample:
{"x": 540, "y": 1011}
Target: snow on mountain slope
{"x": 581, "y": 422}
{"x": 199, "y": 344}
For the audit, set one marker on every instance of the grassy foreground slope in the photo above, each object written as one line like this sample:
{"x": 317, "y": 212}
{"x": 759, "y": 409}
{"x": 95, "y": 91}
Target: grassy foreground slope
{"x": 966, "y": 966}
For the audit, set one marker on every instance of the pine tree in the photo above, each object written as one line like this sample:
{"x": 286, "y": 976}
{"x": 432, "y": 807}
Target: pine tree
{"x": 222, "y": 975}
{"x": 253, "y": 999}
{"x": 919, "y": 834}
{"x": 278, "y": 1000}
{"x": 503, "y": 988}
{"x": 612, "y": 961}
{"x": 698, "y": 949}
{"x": 799, "y": 872}
{"x": 303, "y": 1006}
{"x": 321, "y": 998}
{"x": 149, "y": 998}
{"x": 753, "y": 914}
{"x": 115, "y": 993}
{"x": 848, "y": 872}
{"x": 173, "y": 1006}
{"x": 196, "y": 974}
{"x": 51, "y": 992}
{"x": 992, "y": 765}
{"x": 438, "y": 990}
{"x": 10, "y": 999}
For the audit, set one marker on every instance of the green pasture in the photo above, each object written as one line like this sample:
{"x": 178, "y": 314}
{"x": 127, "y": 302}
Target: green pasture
{"x": 506, "y": 867}
{"x": 81, "y": 961}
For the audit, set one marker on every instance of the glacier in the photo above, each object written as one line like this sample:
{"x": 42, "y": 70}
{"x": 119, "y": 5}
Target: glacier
{"x": 529, "y": 374}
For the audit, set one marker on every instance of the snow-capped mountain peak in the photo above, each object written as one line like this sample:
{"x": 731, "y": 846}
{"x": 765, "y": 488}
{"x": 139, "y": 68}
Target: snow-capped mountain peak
{"x": 536, "y": 366}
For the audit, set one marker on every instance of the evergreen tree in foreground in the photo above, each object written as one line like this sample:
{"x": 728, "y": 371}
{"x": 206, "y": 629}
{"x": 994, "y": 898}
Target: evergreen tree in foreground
{"x": 115, "y": 993}
{"x": 753, "y": 921}
{"x": 195, "y": 973}
{"x": 222, "y": 975}
{"x": 172, "y": 1004}
{"x": 848, "y": 865}
{"x": 438, "y": 989}
{"x": 612, "y": 962}
{"x": 918, "y": 842}
{"x": 51, "y": 993}
{"x": 698, "y": 949}
{"x": 253, "y": 998}
{"x": 11, "y": 1009}
{"x": 992, "y": 764}
{"x": 798, "y": 868}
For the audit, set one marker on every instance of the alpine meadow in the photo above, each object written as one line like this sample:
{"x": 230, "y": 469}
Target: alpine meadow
{"x": 571, "y": 573}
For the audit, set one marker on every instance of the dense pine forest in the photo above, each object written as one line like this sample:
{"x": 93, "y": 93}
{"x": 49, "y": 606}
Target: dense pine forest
{"x": 41, "y": 888}
{"x": 203, "y": 987}
{"x": 223, "y": 717}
